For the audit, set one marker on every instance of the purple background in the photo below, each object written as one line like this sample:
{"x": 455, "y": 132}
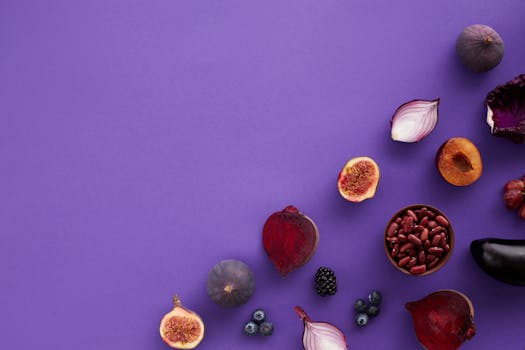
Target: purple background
{"x": 143, "y": 141}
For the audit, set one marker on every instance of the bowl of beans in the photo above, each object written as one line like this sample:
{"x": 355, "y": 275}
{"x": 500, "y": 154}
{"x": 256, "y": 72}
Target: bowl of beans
{"x": 419, "y": 239}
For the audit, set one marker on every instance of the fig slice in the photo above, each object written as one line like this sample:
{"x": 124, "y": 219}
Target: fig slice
{"x": 289, "y": 239}
{"x": 181, "y": 328}
{"x": 443, "y": 320}
{"x": 358, "y": 179}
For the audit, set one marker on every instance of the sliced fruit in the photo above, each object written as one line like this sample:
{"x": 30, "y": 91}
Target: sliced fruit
{"x": 358, "y": 179}
{"x": 290, "y": 239}
{"x": 459, "y": 161}
{"x": 181, "y": 328}
{"x": 443, "y": 320}
{"x": 230, "y": 283}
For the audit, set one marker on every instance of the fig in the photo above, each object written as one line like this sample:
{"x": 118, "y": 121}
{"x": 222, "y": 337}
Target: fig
{"x": 459, "y": 161}
{"x": 181, "y": 328}
{"x": 289, "y": 239}
{"x": 358, "y": 179}
{"x": 480, "y": 48}
{"x": 230, "y": 283}
{"x": 443, "y": 320}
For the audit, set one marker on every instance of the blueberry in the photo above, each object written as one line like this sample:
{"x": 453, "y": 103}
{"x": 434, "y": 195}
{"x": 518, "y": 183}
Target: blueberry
{"x": 361, "y": 319}
{"x": 372, "y": 311}
{"x": 251, "y": 328}
{"x": 258, "y": 316}
{"x": 375, "y": 298}
{"x": 360, "y": 305}
{"x": 266, "y": 328}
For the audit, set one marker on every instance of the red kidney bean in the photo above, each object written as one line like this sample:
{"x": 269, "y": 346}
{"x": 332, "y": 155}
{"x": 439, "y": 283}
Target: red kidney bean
{"x": 442, "y": 220}
{"x": 401, "y": 255}
{"x": 395, "y": 250}
{"x": 398, "y": 220}
{"x": 435, "y": 240}
{"x": 406, "y": 247}
{"x": 433, "y": 263}
{"x": 392, "y": 229}
{"x": 424, "y": 234}
{"x": 412, "y": 262}
{"x": 407, "y": 224}
{"x": 418, "y": 269}
{"x": 426, "y": 244}
{"x": 411, "y": 214}
{"x": 436, "y": 230}
{"x": 431, "y": 214}
{"x": 421, "y": 258}
{"x": 401, "y": 238}
{"x": 431, "y": 224}
{"x": 424, "y": 221}
{"x": 443, "y": 241}
{"x": 404, "y": 261}
{"x": 435, "y": 250}
{"x": 418, "y": 229}
{"x": 414, "y": 240}
{"x": 446, "y": 248}
{"x": 430, "y": 258}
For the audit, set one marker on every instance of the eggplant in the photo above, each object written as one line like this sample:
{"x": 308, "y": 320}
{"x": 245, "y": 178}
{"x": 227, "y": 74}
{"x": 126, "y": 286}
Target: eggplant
{"x": 503, "y": 259}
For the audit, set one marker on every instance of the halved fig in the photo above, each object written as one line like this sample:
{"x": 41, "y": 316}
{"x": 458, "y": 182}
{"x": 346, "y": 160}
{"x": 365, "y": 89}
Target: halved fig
{"x": 230, "y": 283}
{"x": 359, "y": 179}
{"x": 443, "y": 320}
{"x": 459, "y": 161}
{"x": 290, "y": 239}
{"x": 181, "y": 328}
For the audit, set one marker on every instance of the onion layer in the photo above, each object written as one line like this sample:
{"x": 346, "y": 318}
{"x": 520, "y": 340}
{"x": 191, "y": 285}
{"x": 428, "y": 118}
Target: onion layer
{"x": 321, "y": 335}
{"x": 414, "y": 120}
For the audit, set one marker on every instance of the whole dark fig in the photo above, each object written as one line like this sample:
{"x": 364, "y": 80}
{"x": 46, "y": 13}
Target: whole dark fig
{"x": 480, "y": 48}
{"x": 230, "y": 283}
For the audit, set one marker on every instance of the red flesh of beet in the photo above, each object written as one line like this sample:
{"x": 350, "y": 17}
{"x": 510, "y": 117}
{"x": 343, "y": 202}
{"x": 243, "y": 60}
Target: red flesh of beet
{"x": 290, "y": 239}
{"x": 442, "y": 320}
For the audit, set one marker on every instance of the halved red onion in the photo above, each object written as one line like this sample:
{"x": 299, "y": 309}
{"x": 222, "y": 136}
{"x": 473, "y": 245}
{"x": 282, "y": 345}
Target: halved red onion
{"x": 414, "y": 120}
{"x": 321, "y": 335}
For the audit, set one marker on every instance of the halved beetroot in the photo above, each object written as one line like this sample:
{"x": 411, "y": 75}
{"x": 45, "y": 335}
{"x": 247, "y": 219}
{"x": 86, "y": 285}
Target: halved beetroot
{"x": 443, "y": 320}
{"x": 181, "y": 328}
{"x": 290, "y": 239}
{"x": 358, "y": 179}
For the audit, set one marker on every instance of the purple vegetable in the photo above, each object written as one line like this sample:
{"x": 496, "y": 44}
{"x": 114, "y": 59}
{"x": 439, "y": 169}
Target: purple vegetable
{"x": 321, "y": 335}
{"x": 506, "y": 110}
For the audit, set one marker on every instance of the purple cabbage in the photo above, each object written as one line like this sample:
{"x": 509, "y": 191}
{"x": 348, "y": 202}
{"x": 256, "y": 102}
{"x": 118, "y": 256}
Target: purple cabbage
{"x": 506, "y": 110}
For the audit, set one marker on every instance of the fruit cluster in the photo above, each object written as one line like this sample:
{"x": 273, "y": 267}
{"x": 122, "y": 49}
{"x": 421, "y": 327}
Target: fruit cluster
{"x": 514, "y": 195}
{"x": 325, "y": 281}
{"x": 258, "y": 324}
{"x": 366, "y": 310}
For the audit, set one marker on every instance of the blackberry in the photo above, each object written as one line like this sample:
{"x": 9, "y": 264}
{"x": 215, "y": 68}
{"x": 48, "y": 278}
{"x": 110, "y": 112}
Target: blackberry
{"x": 325, "y": 281}
{"x": 251, "y": 328}
{"x": 266, "y": 328}
{"x": 258, "y": 316}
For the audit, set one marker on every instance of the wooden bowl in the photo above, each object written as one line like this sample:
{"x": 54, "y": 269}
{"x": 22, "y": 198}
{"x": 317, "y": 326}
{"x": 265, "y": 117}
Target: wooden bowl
{"x": 450, "y": 241}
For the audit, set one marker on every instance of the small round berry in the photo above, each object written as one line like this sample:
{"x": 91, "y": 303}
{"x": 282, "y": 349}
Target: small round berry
{"x": 258, "y": 316}
{"x": 513, "y": 198}
{"x": 372, "y": 311}
{"x": 515, "y": 185}
{"x": 360, "y": 305}
{"x": 251, "y": 328}
{"x": 325, "y": 281}
{"x": 375, "y": 298}
{"x": 361, "y": 319}
{"x": 266, "y": 328}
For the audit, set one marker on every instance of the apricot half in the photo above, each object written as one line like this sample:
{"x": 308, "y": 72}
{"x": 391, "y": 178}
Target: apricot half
{"x": 358, "y": 179}
{"x": 459, "y": 161}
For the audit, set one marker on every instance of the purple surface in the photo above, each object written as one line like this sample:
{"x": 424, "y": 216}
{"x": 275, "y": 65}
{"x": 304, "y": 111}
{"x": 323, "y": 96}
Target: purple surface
{"x": 143, "y": 141}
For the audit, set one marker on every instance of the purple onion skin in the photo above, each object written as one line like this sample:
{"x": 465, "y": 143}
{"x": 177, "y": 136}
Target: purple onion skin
{"x": 507, "y": 104}
{"x": 480, "y": 48}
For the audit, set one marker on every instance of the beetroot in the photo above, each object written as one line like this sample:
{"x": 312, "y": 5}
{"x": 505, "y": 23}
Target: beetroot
{"x": 290, "y": 239}
{"x": 442, "y": 320}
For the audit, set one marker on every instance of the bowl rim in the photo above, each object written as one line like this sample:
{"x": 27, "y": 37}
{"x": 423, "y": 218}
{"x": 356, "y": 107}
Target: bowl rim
{"x": 450, "y": 233}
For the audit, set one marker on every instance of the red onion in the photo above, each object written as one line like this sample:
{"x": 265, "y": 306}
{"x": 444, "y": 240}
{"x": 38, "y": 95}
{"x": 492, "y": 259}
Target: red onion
{"x": 414, "y": 120}
{"x": 321, "y": 335}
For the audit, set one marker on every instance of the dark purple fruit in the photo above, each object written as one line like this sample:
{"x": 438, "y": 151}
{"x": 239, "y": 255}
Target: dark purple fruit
{"x": 230, "y": 283}
{"x": 480, "y": 48}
